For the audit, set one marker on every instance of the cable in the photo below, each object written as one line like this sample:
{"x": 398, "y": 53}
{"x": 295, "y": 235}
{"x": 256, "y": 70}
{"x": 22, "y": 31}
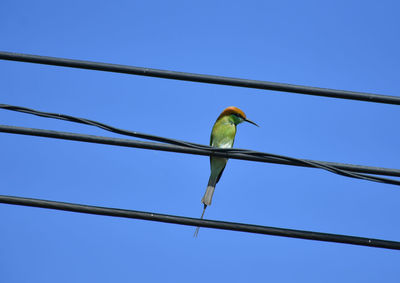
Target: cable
{"x": 304, "y": 162}
{"x": 64, "y": 62}
{"x": 208, "y": 152}
{"x": 99, "y": 125}
{"x": 181, "y": 146}
{"x": 150, "y": 216}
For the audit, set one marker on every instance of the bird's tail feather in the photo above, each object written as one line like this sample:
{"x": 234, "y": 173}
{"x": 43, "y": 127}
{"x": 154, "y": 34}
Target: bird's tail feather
{"x": 207, "y": 198}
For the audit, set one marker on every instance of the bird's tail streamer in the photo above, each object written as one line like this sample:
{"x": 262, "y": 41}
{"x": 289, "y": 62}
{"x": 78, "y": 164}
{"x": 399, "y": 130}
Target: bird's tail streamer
{"x": 196, "y": 233}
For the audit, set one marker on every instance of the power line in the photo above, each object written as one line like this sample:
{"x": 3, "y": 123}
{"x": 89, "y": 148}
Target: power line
{"x": 98, "y": 66}
{"x": 198, "y": 151}
{"x": 186, "y": 147}
{"x": 150, "y": 216}
{"x": 314, "y": 164}
{"x": 109, "y": 128}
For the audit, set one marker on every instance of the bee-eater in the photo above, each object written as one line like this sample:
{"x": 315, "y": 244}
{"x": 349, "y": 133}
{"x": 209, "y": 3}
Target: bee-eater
{"x": 222, "y": 136}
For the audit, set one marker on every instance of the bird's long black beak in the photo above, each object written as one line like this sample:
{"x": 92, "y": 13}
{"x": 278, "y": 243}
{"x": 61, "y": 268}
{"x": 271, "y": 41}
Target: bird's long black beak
{"x": 251, "y": 122}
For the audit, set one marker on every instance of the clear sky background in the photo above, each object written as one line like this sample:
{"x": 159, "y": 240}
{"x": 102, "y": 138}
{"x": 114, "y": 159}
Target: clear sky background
{"x": 352, "y": 45}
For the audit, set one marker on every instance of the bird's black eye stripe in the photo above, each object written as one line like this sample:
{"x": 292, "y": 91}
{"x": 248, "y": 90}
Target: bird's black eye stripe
{"x": 238, "y": 115}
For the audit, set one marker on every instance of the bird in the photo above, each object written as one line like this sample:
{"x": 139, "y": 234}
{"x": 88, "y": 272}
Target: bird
{"x": 222, "y": 136}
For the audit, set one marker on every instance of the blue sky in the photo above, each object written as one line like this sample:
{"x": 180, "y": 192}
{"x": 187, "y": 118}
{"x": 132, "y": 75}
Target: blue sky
{"x": 350, "y": 45}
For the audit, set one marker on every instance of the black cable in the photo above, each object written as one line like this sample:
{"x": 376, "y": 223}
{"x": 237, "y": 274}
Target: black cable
{"x": 150, "y": 216}
{"x": 377, "y": 98}
{"x": 99, "y": 125}
{"x": 314, "y": 164}
{"x": 234, "y": 154}
{"x": 192, "y": 145}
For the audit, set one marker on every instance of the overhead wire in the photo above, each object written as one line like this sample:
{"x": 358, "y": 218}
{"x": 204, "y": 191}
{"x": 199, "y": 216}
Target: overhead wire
{"x": 248, "y": 228}
{"x": 174, "y": 145}
{"x": 188, "y": 150}
{"x": 226, "y": 152}
{"x": 182, "y": 149}
{"x": 184, "y": 76}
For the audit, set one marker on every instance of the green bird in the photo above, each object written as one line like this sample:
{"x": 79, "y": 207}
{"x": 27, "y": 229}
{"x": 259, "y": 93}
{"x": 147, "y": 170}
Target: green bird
{"x": 222, "y": 136}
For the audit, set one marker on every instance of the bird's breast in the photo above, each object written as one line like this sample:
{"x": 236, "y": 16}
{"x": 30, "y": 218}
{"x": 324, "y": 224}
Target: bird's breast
{"x": 224, "y": 144}
{"x": 223, "y": 135}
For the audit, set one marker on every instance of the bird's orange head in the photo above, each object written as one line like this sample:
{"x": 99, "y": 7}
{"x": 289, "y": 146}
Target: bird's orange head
{"x": 238, "y": 115}
{"x": 232, "y": 110}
